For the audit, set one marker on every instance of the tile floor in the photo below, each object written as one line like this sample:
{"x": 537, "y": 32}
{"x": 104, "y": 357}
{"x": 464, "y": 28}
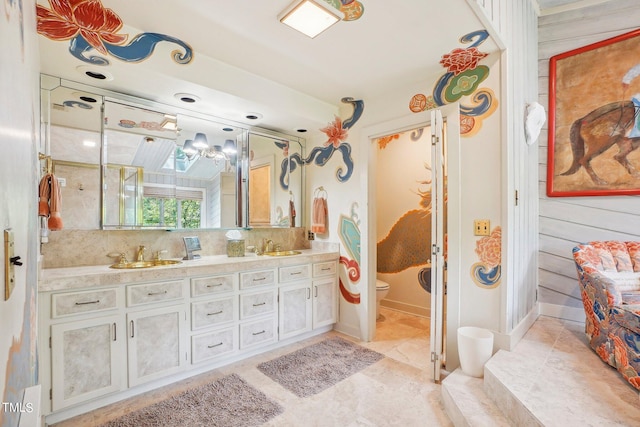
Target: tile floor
{"x": 396, "y": 391}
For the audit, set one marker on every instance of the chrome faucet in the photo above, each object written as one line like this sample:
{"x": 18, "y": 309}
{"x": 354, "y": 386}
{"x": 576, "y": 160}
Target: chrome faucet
{"x": 140, "y": 253}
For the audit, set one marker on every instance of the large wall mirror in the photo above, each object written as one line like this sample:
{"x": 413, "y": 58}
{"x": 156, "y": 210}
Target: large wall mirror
{"x": 132, "y": 164}
{"x": 274, "y": 181}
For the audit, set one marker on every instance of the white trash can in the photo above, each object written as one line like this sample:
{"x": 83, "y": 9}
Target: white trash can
{"x": 475, "y": 347}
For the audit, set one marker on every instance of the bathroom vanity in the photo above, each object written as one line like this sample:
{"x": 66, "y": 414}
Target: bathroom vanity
{"x": 108, "y": 334}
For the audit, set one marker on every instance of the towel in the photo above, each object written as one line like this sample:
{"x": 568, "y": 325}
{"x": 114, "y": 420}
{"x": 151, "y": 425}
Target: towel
{"x": 44, "y": 193}
{"x": 319, "y": 215}
{"x": 292, "y": 214}
{"x": 49, "y": 201}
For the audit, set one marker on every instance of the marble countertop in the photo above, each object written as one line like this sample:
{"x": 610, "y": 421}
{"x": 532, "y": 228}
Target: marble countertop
{"x": 68, "y": 278}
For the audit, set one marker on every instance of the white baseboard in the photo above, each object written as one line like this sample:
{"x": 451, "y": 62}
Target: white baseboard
{"x": 407, "y": 308}
{"x": 562, "y": 312}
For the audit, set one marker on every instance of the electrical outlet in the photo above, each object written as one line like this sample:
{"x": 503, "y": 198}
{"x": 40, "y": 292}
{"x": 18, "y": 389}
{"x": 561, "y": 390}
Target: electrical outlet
{"x": 481, "y": 227}
{"x": 311, "y": 235}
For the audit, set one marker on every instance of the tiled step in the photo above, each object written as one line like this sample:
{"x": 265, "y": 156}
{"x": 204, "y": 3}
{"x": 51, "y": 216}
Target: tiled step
{"x": 468, "y": 405}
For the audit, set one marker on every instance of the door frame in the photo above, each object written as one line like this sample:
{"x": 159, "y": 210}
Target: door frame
{"x": 451, "y": 117}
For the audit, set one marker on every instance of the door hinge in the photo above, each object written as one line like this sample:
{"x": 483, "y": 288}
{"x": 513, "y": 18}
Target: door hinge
{"x": 434, "y": 356}
{"x": 435, "y": 139}
{"x": 517, "y": 198}
{"x": 435, "y": 249}
{"x": 50, "y": 394}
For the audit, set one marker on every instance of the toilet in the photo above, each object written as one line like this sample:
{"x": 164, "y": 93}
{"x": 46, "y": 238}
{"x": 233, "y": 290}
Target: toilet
{"x": 382, "y": 288}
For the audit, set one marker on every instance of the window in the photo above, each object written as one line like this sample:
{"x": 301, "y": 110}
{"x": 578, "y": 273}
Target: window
{"x": 163, "y": 209}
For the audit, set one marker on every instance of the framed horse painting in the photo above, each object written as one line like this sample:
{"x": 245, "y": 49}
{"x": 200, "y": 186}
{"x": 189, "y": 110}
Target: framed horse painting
{"x": 594, "y": 100}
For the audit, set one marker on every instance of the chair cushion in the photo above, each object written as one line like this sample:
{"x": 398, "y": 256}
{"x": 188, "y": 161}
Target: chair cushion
{"x": 620, "y": 255}
{"x": 625, "y": 280}
{"x": 634, "y": 253}
{"x": 628, "y": 316}
{"x": 606, "y": 258}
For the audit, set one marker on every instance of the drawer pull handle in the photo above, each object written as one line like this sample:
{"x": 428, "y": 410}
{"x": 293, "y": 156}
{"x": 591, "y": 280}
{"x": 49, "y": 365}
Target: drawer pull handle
{"x": 259, "y": 279}
{"x": 326, "y": 269}
{"x": 213, "y": 285}
{"x": 157, "y": 293}
{"x": 259, "y": 333}
{"x": 259, "y": 304}
{"x": 215, "y": 345}
{"x": 213, "y": 314}
{"x": 296, "y": 272}
{"x": 88, "y": 302}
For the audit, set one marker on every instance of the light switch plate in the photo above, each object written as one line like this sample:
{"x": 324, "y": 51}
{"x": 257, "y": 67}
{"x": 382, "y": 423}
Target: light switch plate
{"x": 481, "y": 227}
{"x": 9, "y": 268}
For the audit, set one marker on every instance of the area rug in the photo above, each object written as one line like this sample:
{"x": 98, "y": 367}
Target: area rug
{"x": 229, "y": 401}
{"x": 314, "y": 368}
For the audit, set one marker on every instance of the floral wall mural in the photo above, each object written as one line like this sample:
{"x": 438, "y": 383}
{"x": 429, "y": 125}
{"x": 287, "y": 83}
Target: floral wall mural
{"x": 349, "y": 232}
{"x": 407, "y": 242}
{"x": 462, "y": 79}
{"x": 487, "y": 273}
{"x": 337, "y": 134}
{"x": 88, "y": 25}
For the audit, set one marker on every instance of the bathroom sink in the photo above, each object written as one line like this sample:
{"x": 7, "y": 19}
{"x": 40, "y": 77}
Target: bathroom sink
{"x": 145, "y": 264}
{"x": 282, "y": 253}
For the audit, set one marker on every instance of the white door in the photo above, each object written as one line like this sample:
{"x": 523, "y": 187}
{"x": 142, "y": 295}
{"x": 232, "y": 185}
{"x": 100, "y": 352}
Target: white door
{"x": 438, "y": 217}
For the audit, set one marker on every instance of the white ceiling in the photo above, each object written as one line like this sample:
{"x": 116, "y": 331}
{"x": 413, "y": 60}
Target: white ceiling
{"x": 246, "y": 61}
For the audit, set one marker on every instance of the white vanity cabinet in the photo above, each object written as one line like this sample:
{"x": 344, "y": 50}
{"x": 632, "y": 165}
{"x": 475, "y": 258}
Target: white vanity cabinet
{"x": 307, "y": 298}
{"x": 103, "y": 340}
{"x": 86, "y": 346}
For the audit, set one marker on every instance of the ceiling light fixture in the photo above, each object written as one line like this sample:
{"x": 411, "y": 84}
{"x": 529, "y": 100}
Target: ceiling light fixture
{"x": 309, "y": 17}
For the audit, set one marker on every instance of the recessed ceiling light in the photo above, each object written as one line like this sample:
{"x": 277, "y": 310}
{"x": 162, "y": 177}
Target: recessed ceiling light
{"x": 187, "y": 97}
{"x": 253, "y": 116}
{"x": 88, "y": 143}
{"x": 227, "y": 129}
{"x": 301, "y": 130}
{"x": 88, "y": 99}
{"x": 94, "y": 72}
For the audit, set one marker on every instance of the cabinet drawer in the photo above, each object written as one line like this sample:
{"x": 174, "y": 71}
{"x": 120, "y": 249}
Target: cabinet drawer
{"x": 153, "y": 292}
{"x": 257, "y": 278}
{"x": 212, "y": 313}
{"x": 207, "y": 346}
{"x": 212, "y": 285}
{"x": 259, "y": 332}
{"x": 256, "y": 304}
{"x": 67, "y": 304}
{"x": 296, "y": 272}
{"x": 324, "y": 268}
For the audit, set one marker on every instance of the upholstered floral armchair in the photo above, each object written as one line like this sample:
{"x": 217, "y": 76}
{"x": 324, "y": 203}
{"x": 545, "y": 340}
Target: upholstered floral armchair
{"x": 609, "y": 277}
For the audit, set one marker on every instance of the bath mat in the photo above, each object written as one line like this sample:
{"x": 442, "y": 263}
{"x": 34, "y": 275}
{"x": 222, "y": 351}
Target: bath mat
{"x": 229, "y": 401}
{"x": 314, "y": 368}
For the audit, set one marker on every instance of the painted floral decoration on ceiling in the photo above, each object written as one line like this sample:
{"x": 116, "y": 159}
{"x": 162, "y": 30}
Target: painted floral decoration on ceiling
{"x": 88, "y": 25}
{"x": 487, "y": 273}
{"x": 351, "y": 9}
{"x": 463, "y": 78}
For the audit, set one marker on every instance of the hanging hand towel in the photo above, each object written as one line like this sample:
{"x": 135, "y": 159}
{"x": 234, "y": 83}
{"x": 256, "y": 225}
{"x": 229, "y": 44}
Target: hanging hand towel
{"x": 319, "y": 215}
{"x": 55, "y": 220}
{"x": 44, "y": 194}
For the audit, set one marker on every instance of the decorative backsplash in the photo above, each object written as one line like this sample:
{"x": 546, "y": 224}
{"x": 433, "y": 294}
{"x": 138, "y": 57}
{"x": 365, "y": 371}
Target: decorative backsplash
{"x": 74, "y": 248}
